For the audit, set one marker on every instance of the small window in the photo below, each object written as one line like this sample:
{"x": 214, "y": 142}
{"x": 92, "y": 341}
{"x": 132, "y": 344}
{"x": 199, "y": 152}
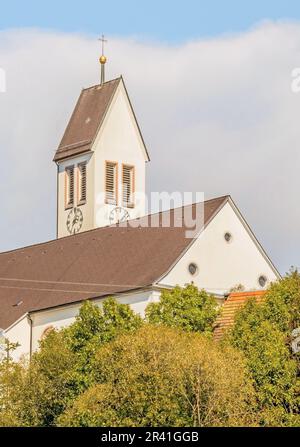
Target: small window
{"x": 111, "y": 185}
{"x": 262, "y": 281}
{"x": 228, "y": 237}
{"x": 193, "y": 268}
{"x": 82, "y": 183}
{"x": 69, "y": 187}
{"x": 128, "y": 186}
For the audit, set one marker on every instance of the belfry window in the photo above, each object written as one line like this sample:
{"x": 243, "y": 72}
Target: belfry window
{"x": 111, "y": 182}
{"x": 128, "y": 186}
{"x": 82, "y": 183}
{"x": 69, "y": 187}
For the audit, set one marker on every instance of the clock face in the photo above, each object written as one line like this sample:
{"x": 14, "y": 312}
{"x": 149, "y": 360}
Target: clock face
{"x": 118, "y": 214}
{"x": 74, "y": 220}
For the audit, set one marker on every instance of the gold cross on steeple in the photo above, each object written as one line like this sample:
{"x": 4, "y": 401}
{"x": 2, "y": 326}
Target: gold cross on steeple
{"x": 103, "y": 41}
{"x": 102, "y": 59}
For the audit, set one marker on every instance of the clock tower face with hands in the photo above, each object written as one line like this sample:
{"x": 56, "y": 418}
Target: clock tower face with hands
{"x": 101, "y": 162}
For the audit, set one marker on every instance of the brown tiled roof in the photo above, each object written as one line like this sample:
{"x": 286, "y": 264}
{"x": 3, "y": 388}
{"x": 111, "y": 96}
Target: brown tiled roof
{"x": 86, "y": 119}
{"x": 230, "y": 307}
{"x": 92, "y": 264}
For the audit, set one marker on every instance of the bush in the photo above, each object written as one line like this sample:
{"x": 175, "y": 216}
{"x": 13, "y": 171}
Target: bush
{"x": 262, "y": 332}
{"x": 60, "y": 370}
{"x": 159, "y": 376}
{"x": 186, "y": 308}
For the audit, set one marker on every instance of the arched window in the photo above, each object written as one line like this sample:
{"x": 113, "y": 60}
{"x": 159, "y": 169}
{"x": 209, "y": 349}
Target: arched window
{"x": 47, "y": 332}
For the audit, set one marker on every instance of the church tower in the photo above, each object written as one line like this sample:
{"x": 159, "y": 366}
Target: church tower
{"x": 100, "y": 161}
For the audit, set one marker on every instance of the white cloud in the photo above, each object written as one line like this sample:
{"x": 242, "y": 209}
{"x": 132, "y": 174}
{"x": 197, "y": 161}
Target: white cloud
{"x": 218, "y": 116}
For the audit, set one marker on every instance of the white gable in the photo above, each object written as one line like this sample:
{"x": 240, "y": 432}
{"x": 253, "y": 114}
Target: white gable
{"x": 119, "y": 140}
{"x": 119, "y": 134}
{"x": 223, "y": 265}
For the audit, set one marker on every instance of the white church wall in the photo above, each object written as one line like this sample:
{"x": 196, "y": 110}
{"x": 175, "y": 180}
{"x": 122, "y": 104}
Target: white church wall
{"x": 118, "y": 141}
{"x": 222, "y": 265}
{"x": 19, "y": 332}
{"x": 63, "y": 316}
{"x": 87, "y": 208}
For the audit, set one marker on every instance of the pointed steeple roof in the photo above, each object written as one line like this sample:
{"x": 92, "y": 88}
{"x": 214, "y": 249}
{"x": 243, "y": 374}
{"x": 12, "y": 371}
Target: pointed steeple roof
{"x": 86, "y": 119}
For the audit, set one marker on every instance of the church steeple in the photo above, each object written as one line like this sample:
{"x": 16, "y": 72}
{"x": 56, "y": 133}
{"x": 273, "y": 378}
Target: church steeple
{"x": 101, "y": 161}
{"x": 102, "y": 60}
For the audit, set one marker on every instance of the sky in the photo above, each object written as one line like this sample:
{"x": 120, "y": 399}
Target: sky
{"x": 211, "y": 87}
{"x": 168, "y": 21}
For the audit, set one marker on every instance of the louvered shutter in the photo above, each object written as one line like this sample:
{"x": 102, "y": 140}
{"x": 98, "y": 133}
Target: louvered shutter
{"x": 111, "y": 183}
{"x": 128, "y": 186}
{"x": 82, "y": 183}
{"x": 69, "y": 186}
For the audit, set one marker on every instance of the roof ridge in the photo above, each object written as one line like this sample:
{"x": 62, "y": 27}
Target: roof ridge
{"x": 107, "y": 226}
{"x": 101, "y": 85}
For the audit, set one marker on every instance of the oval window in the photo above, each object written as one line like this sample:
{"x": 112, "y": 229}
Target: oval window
{"x": 262, "y": 281}
{"x": 193, "y": 268}
{"x": 227, "y": 237}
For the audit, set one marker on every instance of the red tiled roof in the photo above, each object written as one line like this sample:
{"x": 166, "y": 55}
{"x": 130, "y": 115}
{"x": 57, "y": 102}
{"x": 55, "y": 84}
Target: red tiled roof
{"x": 230, "y": 307}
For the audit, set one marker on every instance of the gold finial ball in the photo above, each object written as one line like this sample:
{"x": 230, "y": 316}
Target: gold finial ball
{"x": 102, "y": 59}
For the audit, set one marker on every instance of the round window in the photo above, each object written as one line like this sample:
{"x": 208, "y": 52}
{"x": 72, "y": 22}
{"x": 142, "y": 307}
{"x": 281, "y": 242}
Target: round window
{"x": 193, "y": 268}
{"x": 227, "y": 237}
{"x": 262, "y": 280}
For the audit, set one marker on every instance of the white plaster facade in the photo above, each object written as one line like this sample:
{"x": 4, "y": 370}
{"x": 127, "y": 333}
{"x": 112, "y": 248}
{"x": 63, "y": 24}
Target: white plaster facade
{"x": 223, "y": 265}
{"x": 29, "y": 330}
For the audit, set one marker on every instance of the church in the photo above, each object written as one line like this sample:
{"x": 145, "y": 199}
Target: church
{"x": 106, "y": 244}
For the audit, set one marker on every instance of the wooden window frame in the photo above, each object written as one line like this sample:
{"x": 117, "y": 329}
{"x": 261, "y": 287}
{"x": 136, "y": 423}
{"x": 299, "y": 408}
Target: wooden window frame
{"x": 131, "y": 167}
{"x": 79, "y": 184}
{"x": 69, "y": 205}
{"x": 108, "y": 201}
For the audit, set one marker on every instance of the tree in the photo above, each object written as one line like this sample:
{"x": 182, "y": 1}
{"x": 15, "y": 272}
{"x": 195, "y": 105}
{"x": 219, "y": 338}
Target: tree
{"x": 37, "y": 393}
{"x": 187, "y": 308}
{"x": 160, "y": 376}
{"x": 282, "y": 305}
{"x": 262, "y": 332}
{"x": 94, "y": 326}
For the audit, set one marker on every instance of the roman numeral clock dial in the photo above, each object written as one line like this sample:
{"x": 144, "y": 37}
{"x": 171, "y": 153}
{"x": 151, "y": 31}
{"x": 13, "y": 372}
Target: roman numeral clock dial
{"x": 74, "y": 220}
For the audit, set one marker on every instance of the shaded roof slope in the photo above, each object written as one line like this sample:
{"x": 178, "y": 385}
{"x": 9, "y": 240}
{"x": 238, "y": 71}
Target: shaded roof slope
{"x": 86, "y": 119}
{"x": 93, "y": 264}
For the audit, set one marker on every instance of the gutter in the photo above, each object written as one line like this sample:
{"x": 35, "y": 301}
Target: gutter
{"x": 30, "y": 341}
{"x": 217, "y": 293}
{"x": 57, "y": 187}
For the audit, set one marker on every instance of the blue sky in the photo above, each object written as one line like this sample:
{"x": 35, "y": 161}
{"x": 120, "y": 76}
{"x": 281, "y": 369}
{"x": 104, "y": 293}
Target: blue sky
{"x": 167, "y": 21}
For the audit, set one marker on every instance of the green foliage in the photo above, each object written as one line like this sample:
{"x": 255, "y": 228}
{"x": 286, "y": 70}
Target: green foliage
{"x": 39, "y": 391}
{"x": 11, "y": 386}
{"x": 187, "y": 308}
{"x": 97, "y": 325}
{"x": 283, "y": 303}
{"x": 262, "y": 333}
{"x": 94, "y": 326}
{"x": 110, "y": 368}
{"x": 36, "y": 394}
{"x": 159, "y": 376}
{"x": 8, "y": 347}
